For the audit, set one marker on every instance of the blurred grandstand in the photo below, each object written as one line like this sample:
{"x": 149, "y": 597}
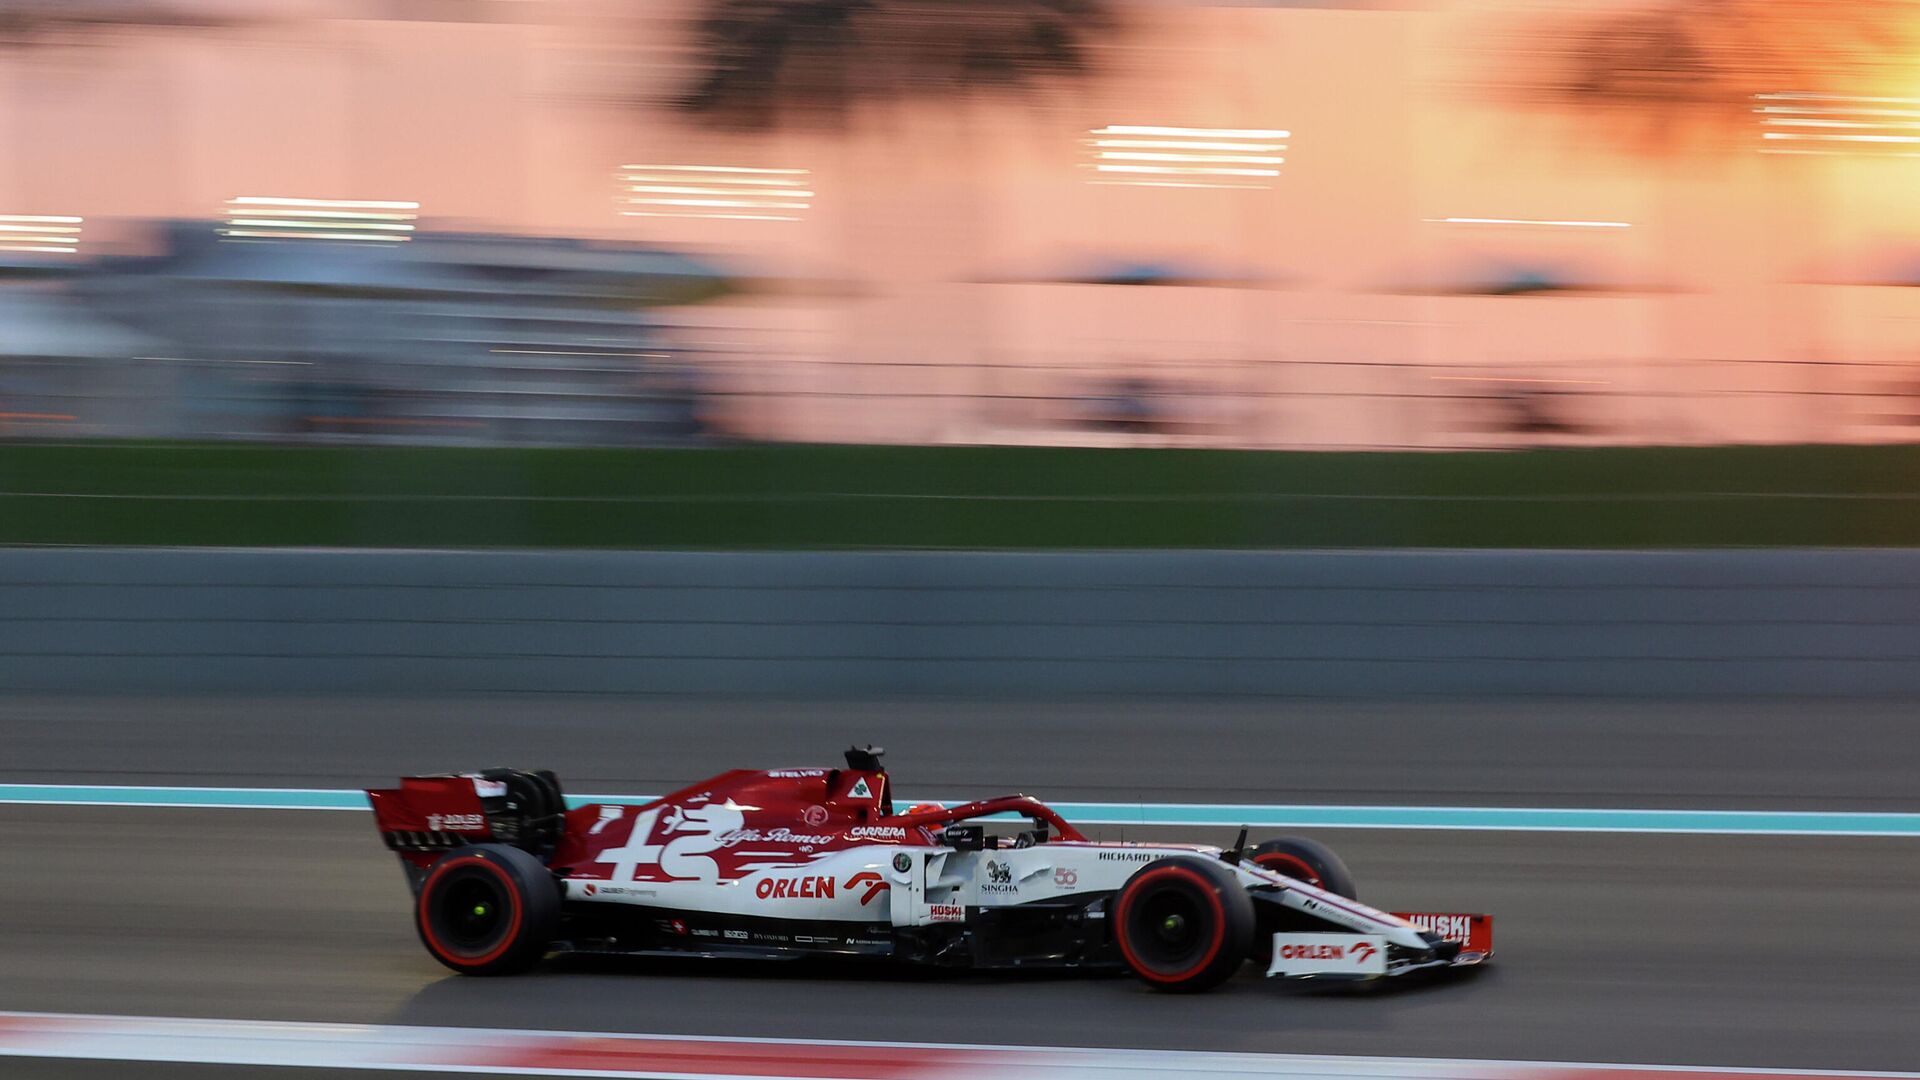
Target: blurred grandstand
{"x": 456, "y": 338}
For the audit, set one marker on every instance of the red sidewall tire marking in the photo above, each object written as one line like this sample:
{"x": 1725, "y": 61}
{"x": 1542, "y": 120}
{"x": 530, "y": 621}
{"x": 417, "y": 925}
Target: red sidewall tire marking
{"x": 426, "y": 921}
{"x": 1219, "y": 925}
{"x": 1291, "y": 865}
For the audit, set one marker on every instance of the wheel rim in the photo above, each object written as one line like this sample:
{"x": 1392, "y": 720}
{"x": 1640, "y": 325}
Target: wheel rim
{"x": 472, "y": 912}
{"x": 1170, "y": 928}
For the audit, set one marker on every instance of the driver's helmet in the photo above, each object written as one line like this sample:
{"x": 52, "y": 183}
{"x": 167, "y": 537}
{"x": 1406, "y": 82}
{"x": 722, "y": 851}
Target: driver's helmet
{"x": 916, "y": 808}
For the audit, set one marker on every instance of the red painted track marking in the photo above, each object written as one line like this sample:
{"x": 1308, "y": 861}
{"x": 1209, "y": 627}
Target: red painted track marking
{"x": 738, "y": 1059}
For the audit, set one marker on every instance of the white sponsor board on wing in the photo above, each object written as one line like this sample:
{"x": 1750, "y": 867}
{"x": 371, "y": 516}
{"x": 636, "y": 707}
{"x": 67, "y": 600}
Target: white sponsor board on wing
{"x": 1328, "y": 954}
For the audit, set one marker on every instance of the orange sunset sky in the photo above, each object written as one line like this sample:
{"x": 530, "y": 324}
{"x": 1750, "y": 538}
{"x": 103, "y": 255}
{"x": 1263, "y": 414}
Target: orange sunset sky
{"x": 1707, "y": 263}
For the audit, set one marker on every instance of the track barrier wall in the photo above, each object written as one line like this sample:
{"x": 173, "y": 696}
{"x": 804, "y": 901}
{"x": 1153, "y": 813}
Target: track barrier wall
{"x": 1353, "y": 623}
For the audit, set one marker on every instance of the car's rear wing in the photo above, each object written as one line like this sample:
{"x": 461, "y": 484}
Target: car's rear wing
{"x": 434, "y": 811}
{"x": 426, "y": 816}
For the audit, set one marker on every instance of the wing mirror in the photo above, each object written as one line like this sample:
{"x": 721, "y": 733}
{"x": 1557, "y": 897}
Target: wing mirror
{"x": 965, "y": 837}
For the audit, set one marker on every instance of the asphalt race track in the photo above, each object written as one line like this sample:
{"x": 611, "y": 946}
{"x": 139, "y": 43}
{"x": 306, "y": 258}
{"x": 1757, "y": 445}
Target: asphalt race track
{"x": 1753, "y": 951}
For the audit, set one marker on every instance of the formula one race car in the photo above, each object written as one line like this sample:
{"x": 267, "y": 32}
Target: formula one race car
{"x": 787, "y": 863}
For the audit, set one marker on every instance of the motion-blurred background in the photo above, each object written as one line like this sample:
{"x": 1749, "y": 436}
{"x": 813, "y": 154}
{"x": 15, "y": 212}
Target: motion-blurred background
{"x": 734, "y": 274}
{"x": 726, "y": 274}
{"x": 1057, "y": 392}
{"x": 1284, "y": 224}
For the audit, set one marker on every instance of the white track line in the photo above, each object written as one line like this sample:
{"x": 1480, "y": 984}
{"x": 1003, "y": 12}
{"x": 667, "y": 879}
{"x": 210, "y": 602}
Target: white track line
{"x": 676, "y": 1057}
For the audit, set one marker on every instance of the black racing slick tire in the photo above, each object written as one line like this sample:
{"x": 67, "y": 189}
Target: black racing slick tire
{"x": 487, "y": 909}
{"x": 1183, "y": 924}
{"x": 1306, "y": 860}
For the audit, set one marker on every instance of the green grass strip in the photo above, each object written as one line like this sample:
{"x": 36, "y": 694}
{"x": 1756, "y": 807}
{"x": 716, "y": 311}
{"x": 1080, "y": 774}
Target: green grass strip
{"x": 953, "y": 497}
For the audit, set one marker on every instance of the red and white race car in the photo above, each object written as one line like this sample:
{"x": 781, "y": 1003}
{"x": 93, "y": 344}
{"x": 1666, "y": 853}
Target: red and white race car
{"x": 787, "y": 863}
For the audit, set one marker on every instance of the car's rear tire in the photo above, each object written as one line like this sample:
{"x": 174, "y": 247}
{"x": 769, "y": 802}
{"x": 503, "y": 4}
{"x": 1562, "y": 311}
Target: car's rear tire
{"x": 1306, "y": 860}
{"x": 487, "y": 909}
{"x": 1183, "y": 924}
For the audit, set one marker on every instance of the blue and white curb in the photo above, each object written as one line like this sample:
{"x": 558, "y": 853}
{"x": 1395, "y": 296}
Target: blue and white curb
{"x": 1478, "y": 818}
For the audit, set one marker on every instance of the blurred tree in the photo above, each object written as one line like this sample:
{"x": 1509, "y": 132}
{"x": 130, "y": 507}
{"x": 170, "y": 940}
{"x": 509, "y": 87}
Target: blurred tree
{"x": 1677, "y": 79}
{"x": 28, "y": 23}
{"x": 766, "y": 63}
{"x": 1679, "y": 74}
{"x": 763, "y": 65}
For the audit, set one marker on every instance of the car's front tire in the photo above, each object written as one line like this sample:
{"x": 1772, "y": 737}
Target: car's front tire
{"x": 1183, "y": 924}
{"x": 488, "y": 909}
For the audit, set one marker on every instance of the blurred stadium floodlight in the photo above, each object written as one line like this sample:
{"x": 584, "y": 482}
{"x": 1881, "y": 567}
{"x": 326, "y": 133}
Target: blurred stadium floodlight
{"x": 1802, "y": 123}
{"x": 1530, "y": 223}
{"x": 41, "y": 234}
{"x": 1138, "y": 155}
{"x": 731, "y": 192}
{"x": 273, "y": 217}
